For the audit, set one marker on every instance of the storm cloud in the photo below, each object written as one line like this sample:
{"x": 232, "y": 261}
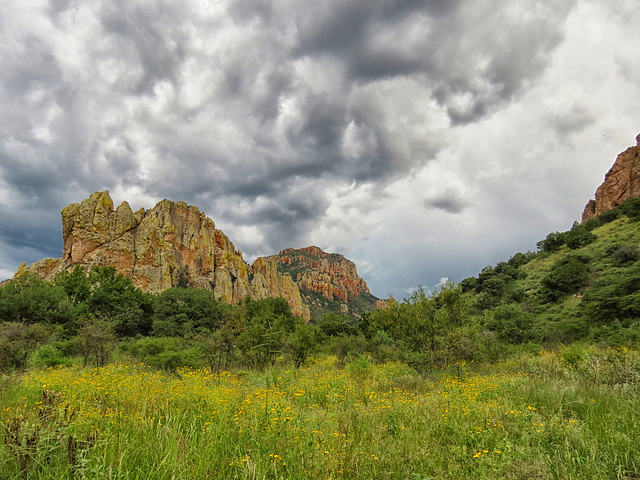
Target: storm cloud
{"x": 292, "y": 122}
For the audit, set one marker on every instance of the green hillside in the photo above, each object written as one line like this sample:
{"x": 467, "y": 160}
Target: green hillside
{"x": 581, "y": 284}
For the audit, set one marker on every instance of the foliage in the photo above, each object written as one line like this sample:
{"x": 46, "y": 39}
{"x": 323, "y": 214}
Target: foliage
{"x": 29, "y": 300}
{"x": 511, "y": 324}
{"x": 552, "y": 242}
{"x": 268, "y": 324}
{"x": 105, "y": 293}
{"x": 568, "y": 275}
{"x": 615, "y": 297}
{"x": 623, "y": 255}
{"x": 578, "y": 237}
{"x": 180, "y": 312}
{"x": 631, "y": 208}
{"x": 96, "y": 339}
{"x": 18, "y": 341}
{"x": 167, "y": 353}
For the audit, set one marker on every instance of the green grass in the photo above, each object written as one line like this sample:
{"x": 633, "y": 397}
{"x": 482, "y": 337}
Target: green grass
{"x": 573, "y": 413}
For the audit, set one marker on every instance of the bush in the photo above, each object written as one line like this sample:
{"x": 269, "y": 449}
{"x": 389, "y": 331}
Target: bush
{"x": 623, "y": 255}
{"x": 614, "y": 298}
{"x": 166, "y": 353}
{"x": 49, "y": 356}
{"x": 553, "y": 242}
{"x": 609, "y": 215}
{"x": 568, "y": 275}
{"x": 511, "y": 324}
{"x": 592, "y": 224}
{"x": 180, "y": 312}
{"x": 631, "y": 208}
{"x": 578, "y": 237}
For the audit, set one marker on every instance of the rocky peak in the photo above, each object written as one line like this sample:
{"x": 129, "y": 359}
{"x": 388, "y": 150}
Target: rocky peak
{"x": 621, "y": 183}
{"x": 170, "y": 245}
{"x": 326, "y": 280}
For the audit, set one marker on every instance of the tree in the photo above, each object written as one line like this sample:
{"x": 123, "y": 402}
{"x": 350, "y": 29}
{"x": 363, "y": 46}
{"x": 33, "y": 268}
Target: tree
{"x": 29, "y": 300}
{"x": 553, "y": 242}
{"x": 568, "y": 275}
{"x": 19, "y": 340}
{"x": 218, "y": 346}
{"x": 113, "y": 295}
{"x": 180, "y": 312}
{"x": 268, "y": 323}
{"x": 578, "y": 237}
{"x": 421, "y": 321}
{"x": 631, "y": 208}
{"x": 75, "y": 284}
{"x": 302, "y": 343}
{"x": 105, "y": 293}
{"x": 511, "y": 323}
{"x": 614, "y": 297}
{"x": 96, "y": 338}
{"x": 332, "y": 325}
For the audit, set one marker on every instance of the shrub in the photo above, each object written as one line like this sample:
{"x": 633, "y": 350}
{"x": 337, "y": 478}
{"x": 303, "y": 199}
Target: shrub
{"x": 592, "y": 224}
{"x": 631, "y": 208}
{"x": 49, "y": 356}
{"x": 167, "y": 353}
{"x": 623, "y": 255}
{"x": 511, "y": 324}
{"x": 578, "y": 237}
{"x": 553, "y": 242}
{"x": 609, "y": 215}
{"x": 568, "y": 275}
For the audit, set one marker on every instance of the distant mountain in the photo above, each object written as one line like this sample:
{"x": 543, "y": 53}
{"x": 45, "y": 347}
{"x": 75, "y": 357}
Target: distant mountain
{"x": 174, "y": 244}
{"x": 327, "y": 281}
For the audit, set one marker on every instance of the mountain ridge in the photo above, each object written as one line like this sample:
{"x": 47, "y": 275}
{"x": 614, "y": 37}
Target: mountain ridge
{"x": 175, "y": 244}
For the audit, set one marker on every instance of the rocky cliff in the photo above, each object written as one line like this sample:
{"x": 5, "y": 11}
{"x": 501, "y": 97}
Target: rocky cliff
{"x": 327, "y": 281}
{"x": 620, "y": 183}
{"x": 173, "y": 244}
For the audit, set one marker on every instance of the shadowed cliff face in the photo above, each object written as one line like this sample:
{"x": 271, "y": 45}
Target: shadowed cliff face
{"x": 170, "y": 245}
{"x": 621, "y": 183}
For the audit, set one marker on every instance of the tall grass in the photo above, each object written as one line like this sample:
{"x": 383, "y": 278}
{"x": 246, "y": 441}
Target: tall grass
{"x": 560, "y": 415}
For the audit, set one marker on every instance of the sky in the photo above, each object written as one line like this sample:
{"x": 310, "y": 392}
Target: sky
{"x": 422, "y": 139}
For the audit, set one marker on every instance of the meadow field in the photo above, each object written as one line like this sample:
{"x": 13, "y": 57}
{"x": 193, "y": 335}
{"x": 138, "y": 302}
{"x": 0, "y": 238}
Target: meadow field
{"x": 568, "y": 414}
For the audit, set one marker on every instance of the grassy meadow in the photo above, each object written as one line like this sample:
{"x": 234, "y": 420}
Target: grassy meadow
{"x": 572, "y": 413}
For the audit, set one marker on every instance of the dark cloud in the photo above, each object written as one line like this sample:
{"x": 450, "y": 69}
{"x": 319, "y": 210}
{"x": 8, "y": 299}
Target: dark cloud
{"x": 571, "y": 120}
{"x": 255, "y": 109}
{"x": 450, "y": 200}
{"x": 147, "y": 35}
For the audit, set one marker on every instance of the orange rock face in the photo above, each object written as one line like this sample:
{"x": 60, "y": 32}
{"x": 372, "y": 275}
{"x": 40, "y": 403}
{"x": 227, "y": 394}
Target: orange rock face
{"x": 172, "y": 244}
{"x": 175, "y": 244}
{"x": 621, "y": 183}
{"x": 330, "y": 274}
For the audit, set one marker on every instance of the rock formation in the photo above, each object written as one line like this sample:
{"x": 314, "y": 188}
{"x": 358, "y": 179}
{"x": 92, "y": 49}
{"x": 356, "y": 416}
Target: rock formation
{"x": 620, "y": 183}
{"x": 173, "y": 244}
{"x": 327, "y": 281}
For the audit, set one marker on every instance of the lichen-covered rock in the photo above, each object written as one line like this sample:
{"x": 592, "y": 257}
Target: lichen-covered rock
{"x": 267, "y": 281}
{"x": 331, "y": 276}
{"x": 173, "y": 244}
{"x": 621, "y": 183}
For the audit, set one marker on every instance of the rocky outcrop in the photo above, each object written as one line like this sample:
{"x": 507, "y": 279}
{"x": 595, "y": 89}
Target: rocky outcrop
{"x": 267, "y": 279}
{"x": 173, "y": 244}
{"x": 330, "y": 275}
{"x": 621, "y": 183}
